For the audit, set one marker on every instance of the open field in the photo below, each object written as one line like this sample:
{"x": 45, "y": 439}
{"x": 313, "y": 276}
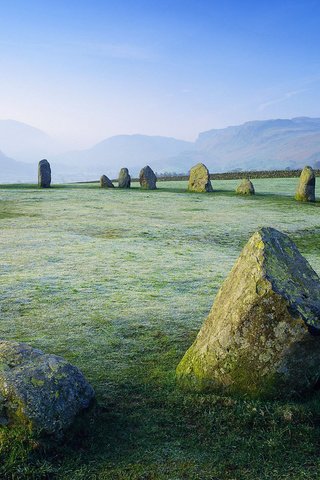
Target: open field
{"x": 119, "y": 282}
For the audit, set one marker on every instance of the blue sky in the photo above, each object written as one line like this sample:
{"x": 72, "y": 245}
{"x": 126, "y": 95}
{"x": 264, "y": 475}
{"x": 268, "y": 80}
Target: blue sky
{"x": 87, "y": 70}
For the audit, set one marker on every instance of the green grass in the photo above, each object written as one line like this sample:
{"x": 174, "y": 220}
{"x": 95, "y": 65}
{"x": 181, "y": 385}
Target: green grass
{"x": 119, "y": 282}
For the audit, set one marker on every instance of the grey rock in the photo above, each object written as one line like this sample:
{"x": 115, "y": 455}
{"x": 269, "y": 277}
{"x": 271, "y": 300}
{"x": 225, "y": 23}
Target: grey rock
{"x": 199, "y": 179}
{"x": 44, "y": 174}
{"x": 261, "y": 337}
{"x": 147, "y": 178}
{"x": 105, "y": 182}
{"x": 42, "y": 391}
{"x": 124, "y": 180}
{"x": 306, "y": 187}
{"x": 245, "y": 188}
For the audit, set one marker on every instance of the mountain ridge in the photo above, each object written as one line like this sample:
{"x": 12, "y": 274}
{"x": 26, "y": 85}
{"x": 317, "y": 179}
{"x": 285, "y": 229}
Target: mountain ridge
{"x": 273, "y": 143}
{"x": 278, "y": 143}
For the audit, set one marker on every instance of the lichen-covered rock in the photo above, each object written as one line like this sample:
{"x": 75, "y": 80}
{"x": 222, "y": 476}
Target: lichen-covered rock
{"x": 44, "y": 174}
{"x": 43, "y": 392}
{"x": 199, "y": 179}
{"x": 124, "y": 180}
{"x": 245, "y": 187}
{"x": 147, "y": 178}
{"x": 261, "y": 337}
{"x": 306, "y": 187}
{"x": 105, "y": 182}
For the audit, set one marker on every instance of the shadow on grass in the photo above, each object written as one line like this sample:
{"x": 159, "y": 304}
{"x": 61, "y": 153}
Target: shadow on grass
{"x": 147, "y": 428}
{"x": 150, "y": 429}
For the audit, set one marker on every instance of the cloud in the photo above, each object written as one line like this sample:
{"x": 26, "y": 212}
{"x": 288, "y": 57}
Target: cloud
{"x": 284, "y": 97}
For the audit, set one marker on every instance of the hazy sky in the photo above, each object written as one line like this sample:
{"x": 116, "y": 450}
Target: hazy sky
{"x": 87, "y": 70}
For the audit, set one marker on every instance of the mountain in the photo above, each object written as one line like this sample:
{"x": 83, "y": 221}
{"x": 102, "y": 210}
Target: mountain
{"x": 131, "y": 151}
{"x": 13, "y": 171}
{"x": 268, "y": 144}
{"x": 25, "y": 143}
{"x": 29, "y": 144}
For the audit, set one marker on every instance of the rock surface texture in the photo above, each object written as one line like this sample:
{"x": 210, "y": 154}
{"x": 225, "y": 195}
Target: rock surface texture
{"x": 306, "y": 187}
{"x": 43, "y": 392}
{"x": 105, "y": 182}
{"x": 44, "y": 174}
{"x": 199, "y": 179}
{"x": 261, "y": 337}
{"x": 147, "y": 178}
{"x": 124, "y": 180}
{"x": 245, "y": 188}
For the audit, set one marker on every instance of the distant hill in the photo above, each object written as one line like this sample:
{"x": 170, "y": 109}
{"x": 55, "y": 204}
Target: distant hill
{"x": 258, "y": 145}
{"x": 131, "y": 151}
{"x": 13, "y": 171}
{"x": 269, "y": 144}
{"x": 25, "y": 143}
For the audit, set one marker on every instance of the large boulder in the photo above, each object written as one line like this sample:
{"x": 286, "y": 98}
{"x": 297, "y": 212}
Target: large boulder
{"x": 261, "y": 337}
{"x": 245, "y": 187}
{"x": 199, "y": 179}
{"x": 105, "y": 182}
{"x": 147, "y": 178}
{"x": 306, "y": 187}
{"x": 44, "y": 174}
{"x": 41, "y": 391}
{"x": 124, "y": 180}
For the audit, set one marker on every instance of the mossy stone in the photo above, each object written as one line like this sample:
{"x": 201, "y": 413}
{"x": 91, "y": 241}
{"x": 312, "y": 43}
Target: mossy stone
{"x": 44, "y": 174}
{"x": 245, "y": 187}
{"x": 147, "y": 178}
{"x": 199, "y": 179}
{"x": 105, "y": 182}
{"x": 261, "y": 338}
{"x": 124, "y": 179}
{"x": 43, "y": 392}
{"x": 306, "y": 187}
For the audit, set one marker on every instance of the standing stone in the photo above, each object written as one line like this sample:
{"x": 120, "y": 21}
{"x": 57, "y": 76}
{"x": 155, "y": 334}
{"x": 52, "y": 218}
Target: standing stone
{"x": 41, "y": 391}
{"x": 245, "y": 188}
{"x": 199, "y": 179}
{"x": 147, "y": 178}
{"x": 261, "y": 337}
{"x": 306, "y": 188}
{"x": 124, "y": 180}
{"x": 44, "y": 174}
{"x": 105, "y": 182}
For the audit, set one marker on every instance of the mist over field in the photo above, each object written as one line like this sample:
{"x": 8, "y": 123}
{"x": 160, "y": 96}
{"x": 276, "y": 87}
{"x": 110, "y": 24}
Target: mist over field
{"x": 273, "y": 144}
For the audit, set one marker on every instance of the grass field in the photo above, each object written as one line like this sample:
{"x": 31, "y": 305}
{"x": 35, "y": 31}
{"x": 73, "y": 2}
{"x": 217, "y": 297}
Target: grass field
{"x": 119, "y": 282}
